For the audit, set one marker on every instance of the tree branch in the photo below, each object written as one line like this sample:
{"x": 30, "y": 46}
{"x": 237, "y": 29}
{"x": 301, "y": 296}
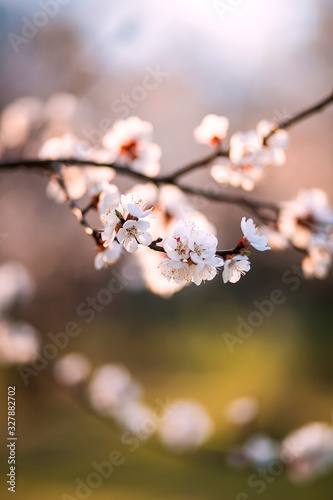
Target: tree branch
{"x": 76, "y": 210}
{"x": 300, "y": 116}
{"x": 283, "y": 125}
{"x": 265, "y": 211}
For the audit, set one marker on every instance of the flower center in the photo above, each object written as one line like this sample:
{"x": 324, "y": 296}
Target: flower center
{"x": 198, "y": 249}
{"x": 132, "y": 231}
{"x": 181, "y": 248}
{"x": 130, "y": 149}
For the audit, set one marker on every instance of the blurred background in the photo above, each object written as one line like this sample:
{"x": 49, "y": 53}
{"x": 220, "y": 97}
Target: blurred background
{"x": 248, "y": 60}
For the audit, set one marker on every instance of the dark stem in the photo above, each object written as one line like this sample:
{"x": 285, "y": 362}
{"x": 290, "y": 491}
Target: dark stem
{"x": 194, "y": 165}
{"x": 79, "y": 214}
{"x": 153, "y": 245}
{"x": 255, "y": 206}
{"x": 300, "y": 116}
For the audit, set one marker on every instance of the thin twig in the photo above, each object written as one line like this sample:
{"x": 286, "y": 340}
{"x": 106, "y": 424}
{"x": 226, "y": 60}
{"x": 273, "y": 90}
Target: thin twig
{"x": 95, "y": 233}
{"x": 283, "y": 125}
{"x": 255, "y": 206}
{"x": 153, "y": 245}
{"x": 194, "y": 165}
{"x": 300, "y": 116}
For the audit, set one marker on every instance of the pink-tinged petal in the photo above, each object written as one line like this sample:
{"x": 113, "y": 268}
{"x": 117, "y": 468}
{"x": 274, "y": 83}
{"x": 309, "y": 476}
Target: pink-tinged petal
{"x": 130, "y": 245}
{"x": 144, "y": 238}
{"x": 142, "y": 224}
{"x": 261, "y": 244}
{"x": 243, "y": 225}
{"x": 121, "y": 235}
{"x": 134, "y": 210}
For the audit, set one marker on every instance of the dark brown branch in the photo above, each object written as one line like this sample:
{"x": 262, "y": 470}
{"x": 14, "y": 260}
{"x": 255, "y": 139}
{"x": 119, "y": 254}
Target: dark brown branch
{"x": 253, "y": 205}
{"x": 47, "y": 165}
{"x": 232, "y": 251}
{"x": 194, "y": 165}
{"x": 283, "y": 125}
{"x": 79, "y": 214}
{"x": 153, "y": 245}
{"x": 300, "y": 116}
{"x": 261, "y": 209}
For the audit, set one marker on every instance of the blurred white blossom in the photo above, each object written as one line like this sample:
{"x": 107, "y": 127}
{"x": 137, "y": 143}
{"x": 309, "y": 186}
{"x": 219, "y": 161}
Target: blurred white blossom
{"x": 107, "y": 255}
{"x": 308, "y": 451}
{"x": 15, "y": 284}
{"x": 111, "y": 388}
{"x": 212, "y": 130}
{"x": 130, "y": 143}
{"x": 242, "y": 410}
{"x": 19, "y": 343}
{"x": 72, "y": 369}
{"x": 18, "y": 119}
{"x": 186, "y": 426}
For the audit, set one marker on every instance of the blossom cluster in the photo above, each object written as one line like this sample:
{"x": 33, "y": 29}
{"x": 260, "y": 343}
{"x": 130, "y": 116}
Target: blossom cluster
{"x": 19, "y": 341}
{"x": 191, "y": 252}
{"x": 181, "y": 425}
{"x": 304, "y": 454}
{"x": 128, "y": 222}
{"x": 249, "y": 152}
{"x": 191, "y": 255}
{"x": 307, "y": 223}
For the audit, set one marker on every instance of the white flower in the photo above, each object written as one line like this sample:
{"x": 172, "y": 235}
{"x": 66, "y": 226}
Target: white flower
{"x": 176, "y": 271}
{"x": 248, "y": 156}
{"x": 239, "y": 174}
{"x": 308, "y": 451}
{"x": 185, "y": 426}
{"x": 111, "y": 388}
{"x": 110, "y": 222}
{"x": 244, "y": 147}
{"x": 108, "y": 256}
{"x": 135, "y": 205}
{"x": 15, "y": 284}
{"x": 242, "y": 410}
{"x": 202, "y": 246}
{"x": 307, "y": 217}
{"x": 177, "y": 248}
{"x": 249, "y": 148}
{"x": 72, "y": 369}
{"x": 191, "y": 255}
{"x": 206, "y": 270}
{"x": 276, "y": 144}
{"x": 318, "y": 262}
{"x": 235, "y": 268}
{"x": 109, "y": 198}
{"x": 253, "y": 236}
{"x": 124, "y": 131}
{"x": 134, "y": 232}
{"x": 137, "y": 418}
{"x": 154, "y": 280}
{"x": 19, "y": 343}
{"x": 212, "y": 130}
{"x": 129, "y": 141}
